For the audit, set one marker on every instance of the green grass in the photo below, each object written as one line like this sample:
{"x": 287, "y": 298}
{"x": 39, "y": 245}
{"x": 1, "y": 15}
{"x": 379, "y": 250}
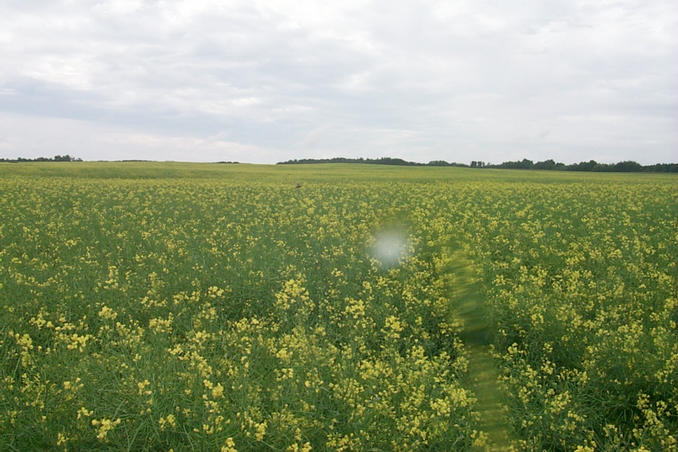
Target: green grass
{"x": 149, "y": 306}
{"x": 338, "y": 173}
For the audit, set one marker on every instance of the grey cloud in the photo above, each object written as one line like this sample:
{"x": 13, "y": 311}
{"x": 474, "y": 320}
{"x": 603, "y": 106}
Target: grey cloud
{"x": 455, "y": 80}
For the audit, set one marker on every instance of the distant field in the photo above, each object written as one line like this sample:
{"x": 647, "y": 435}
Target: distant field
{"x": 157, "y": 306}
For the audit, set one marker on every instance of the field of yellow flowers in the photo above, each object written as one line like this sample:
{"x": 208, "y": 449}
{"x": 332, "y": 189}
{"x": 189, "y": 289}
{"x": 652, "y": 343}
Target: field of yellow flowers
{"x": 148, "y": 306}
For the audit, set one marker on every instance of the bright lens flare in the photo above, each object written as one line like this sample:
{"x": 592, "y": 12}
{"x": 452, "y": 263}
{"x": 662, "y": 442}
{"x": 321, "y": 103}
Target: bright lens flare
{"x": 390, "y": 247}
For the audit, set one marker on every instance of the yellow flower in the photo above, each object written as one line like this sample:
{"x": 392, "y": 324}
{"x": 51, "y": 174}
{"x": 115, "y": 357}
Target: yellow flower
{"x": 584, "y": 449}
{"x": 229, "y": 446}
{"x": 217, "y": 391}
{"x": 260, "y": 431}
{"x": 169, "y": 420}
{"x": 104, "y": 426}
{"x": 84, "y": 412}
{"x": 107, "y": 313}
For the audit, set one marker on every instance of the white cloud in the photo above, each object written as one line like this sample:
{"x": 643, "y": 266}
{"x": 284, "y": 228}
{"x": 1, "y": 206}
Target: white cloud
{"x": 460, "y": 81}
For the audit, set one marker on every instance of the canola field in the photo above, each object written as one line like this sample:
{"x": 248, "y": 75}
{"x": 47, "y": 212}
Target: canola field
{"x": 158, "y": 306}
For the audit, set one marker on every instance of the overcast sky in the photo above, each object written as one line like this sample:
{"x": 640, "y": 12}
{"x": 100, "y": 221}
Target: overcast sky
{"x": 265, "y": 81}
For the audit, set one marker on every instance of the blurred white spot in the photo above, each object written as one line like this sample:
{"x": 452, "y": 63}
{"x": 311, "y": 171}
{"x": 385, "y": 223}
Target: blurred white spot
{"x": 389, "y": 247}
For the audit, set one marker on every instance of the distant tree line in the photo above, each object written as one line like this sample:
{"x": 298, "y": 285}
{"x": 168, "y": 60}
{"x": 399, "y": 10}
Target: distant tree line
{"x": 627, "y": 166}
{"x": 56, "y": 158}
{"x": 379, "y": 161}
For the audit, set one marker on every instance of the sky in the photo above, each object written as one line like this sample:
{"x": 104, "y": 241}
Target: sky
{"x": 266, "y": 81}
